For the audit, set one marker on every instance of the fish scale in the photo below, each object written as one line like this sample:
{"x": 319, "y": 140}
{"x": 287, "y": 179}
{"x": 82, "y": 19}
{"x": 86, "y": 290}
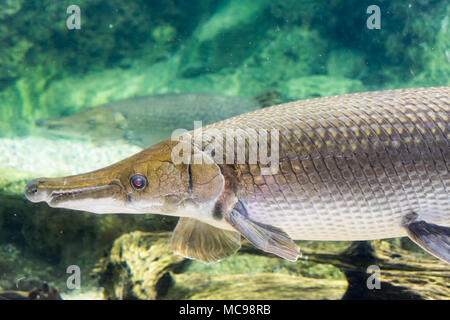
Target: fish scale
{"x": 351, "y": 167}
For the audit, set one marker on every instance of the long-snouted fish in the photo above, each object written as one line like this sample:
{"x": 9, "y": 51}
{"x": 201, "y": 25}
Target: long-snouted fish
{"x": 147, "y": 120}
{"x": 352, "y": 167}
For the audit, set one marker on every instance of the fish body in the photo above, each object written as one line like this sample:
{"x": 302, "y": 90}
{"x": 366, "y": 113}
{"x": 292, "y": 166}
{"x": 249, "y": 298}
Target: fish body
{"x": 147, "y": 120}
{"x": 353, "y": 167}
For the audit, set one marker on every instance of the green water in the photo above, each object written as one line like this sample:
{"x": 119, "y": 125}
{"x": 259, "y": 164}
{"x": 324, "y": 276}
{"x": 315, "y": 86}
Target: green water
{"x": 298, "y": 49}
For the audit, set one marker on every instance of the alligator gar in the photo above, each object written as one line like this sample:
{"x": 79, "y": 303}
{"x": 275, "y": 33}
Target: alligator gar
{"x": 353, "y": 167}
{"x": 150, "y": 119}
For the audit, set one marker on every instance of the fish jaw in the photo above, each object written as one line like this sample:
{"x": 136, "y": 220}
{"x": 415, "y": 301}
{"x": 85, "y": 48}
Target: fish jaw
{"x": 62, "y": 127}
{"x": 97, "y": 196}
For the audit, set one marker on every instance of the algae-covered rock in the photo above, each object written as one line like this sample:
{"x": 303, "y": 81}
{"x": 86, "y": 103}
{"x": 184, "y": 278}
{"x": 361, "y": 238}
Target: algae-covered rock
{"x": 251, "y": 261}
{"x": 142, "y": 265}
{"x": 226, "y": 38}
{"x": 345, "y": 63}
{"x": 400, "y": 273}
{"x": 401, "y": 49}
{"x": 19, "y": 272}
{"x": 282, "y": 55}
{"x": 137, "y": 266}
{"x": 10, "y": 7}
{"x": 436, "y": 70}
{"x": 260, "y": 286}
{"x": 294, "y": 12}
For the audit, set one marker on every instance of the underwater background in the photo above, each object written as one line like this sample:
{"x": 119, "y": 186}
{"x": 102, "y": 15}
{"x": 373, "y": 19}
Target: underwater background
{"x": 269, "y": 51}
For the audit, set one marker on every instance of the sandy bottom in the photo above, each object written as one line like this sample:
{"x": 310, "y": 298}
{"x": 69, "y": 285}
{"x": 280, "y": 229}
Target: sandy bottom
{"x": 49, "y": 157}
{"x": 93, "y": 294}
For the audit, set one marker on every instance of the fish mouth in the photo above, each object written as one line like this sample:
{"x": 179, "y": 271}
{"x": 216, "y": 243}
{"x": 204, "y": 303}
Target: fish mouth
{"x": 51, "y": 124}
{"x": 59, "y": 129}
{"x": 61, "y": 197}
{"x": 100, "y": 198}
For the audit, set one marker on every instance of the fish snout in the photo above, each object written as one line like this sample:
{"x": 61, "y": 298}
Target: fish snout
{"x": 50, "y": 124}
{"x": 35, "y": 192}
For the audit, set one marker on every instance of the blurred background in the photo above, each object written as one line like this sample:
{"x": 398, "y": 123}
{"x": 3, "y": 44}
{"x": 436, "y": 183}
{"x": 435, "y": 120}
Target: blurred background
{"x": 302, "y": 49}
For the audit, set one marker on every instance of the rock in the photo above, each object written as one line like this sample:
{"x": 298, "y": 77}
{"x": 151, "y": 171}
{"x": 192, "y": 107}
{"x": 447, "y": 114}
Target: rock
{"x": 436, "y": 57}
{"x": 404, "y": 274}
{"x": 345, "y": 63}
{"x": 261, "y": 286}
{"x": 283, "y": 54}
{"x": 225, "y": 39}
{"x": 142, "y": 266}
{"x": 137, "y": 266}
{"x": 11, "y": 59}
{"x": 9, "y": 7}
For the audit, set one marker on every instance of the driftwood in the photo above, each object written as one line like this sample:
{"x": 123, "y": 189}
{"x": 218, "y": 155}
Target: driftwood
{"x": 260, "y": 286}
{"x": 404, "y": 274}
{"x": 141, "y": 265}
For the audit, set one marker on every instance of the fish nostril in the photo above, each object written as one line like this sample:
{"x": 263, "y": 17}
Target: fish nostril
{"x": 32, "y": 191}
{"x": 31, "y": 187}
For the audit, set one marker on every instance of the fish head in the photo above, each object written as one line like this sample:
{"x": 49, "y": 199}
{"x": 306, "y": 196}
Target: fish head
{"x": 148, "y": 182}
{"x": 92, "y": 122}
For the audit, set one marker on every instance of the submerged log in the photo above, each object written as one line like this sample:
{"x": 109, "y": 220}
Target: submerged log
{"x": 404, "y": 274}
{"x": 142, "y": 266}
{"x": 260, "y": 286}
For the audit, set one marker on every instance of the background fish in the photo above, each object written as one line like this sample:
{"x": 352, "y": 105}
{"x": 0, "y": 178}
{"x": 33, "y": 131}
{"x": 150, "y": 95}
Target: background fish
{"x": 150, "y": 119}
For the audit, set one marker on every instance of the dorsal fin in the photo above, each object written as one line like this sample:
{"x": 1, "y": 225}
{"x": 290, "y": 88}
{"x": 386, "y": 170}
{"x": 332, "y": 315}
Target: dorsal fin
{"x": 200, "y": 241}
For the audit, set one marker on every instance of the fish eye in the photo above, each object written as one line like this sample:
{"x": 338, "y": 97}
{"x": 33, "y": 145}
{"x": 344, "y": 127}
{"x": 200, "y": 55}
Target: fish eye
{"x": 138, "y": 182}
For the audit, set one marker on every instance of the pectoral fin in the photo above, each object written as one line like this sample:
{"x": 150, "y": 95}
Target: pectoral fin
{"x": 433, "y": 238}
{"x": 201, "y": 241}
{"x": 265, "y": 237}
